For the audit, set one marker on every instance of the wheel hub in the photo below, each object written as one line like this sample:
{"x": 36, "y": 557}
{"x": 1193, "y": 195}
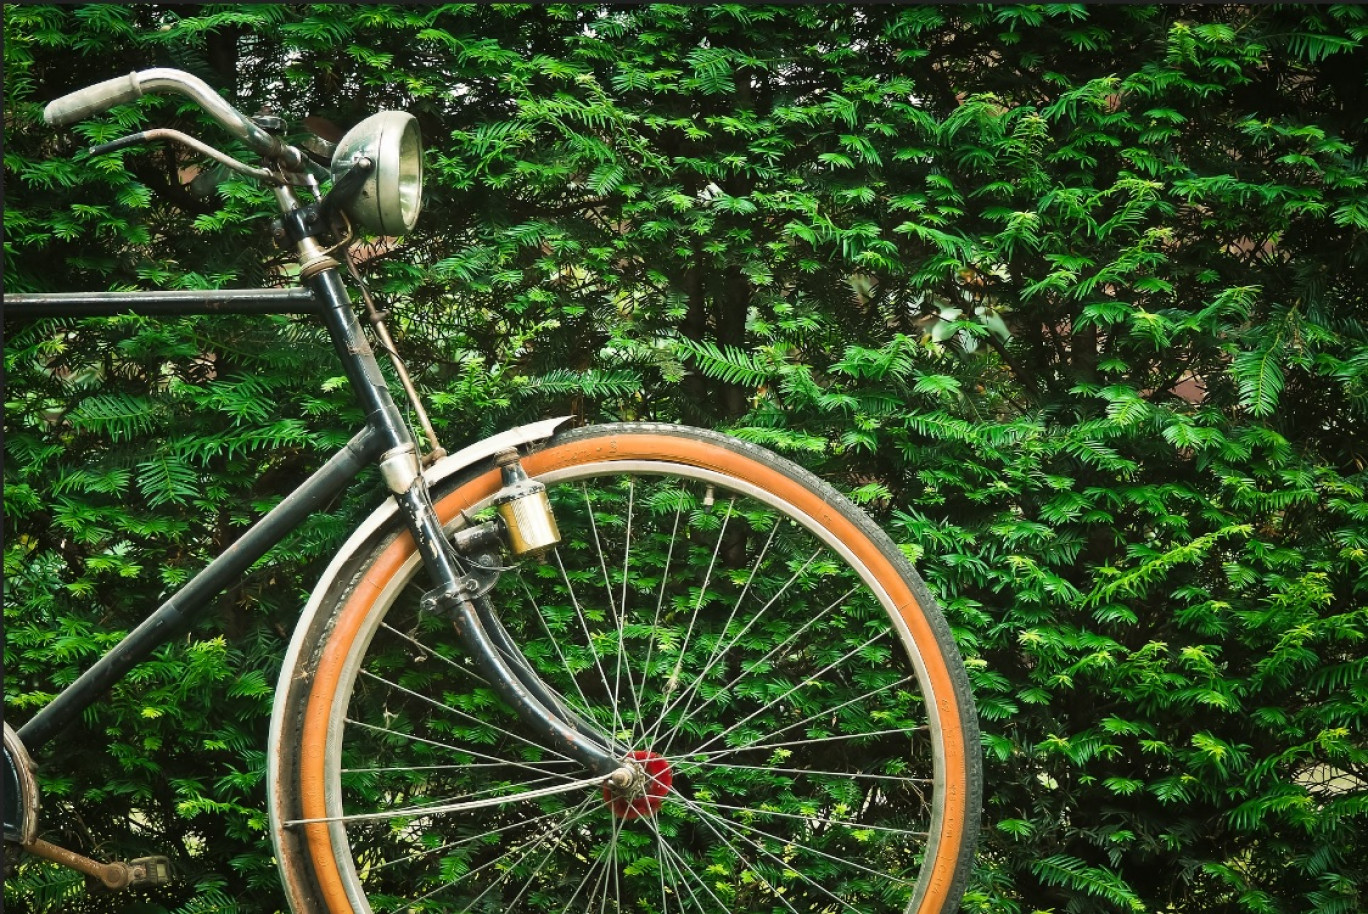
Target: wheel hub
{"x": 645, "y": 778}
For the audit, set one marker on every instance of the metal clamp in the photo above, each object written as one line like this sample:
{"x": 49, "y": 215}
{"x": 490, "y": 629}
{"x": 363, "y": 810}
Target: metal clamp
{"x": 482, "y": 573}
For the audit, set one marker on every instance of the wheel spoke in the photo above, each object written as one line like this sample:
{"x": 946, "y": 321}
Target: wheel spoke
{"x": 740, "y": 857}
{"x": 513, "y": 905}
{"x": 788, "y": 841}
{"x": 612, "y": 607}
{"x": 673, "y": 681}
{"x": 622, "y": 663}
{"x": 660, "y": 863}
{"x": 461, "y": 714}
{"x": 551, "y": 639}
{"x": 708, "y": 819}
{"x": 431, "y": 653}
{"x": 392, "y": 768}
{"x": 815, "y": 677}
{"x": 572, "y": 816}
{"x": 660, "y": 604}
{"x": 681, "y": 867}
{"x": 463, "y": 750}
{"x": 857, "y": 775}
{"x": 773, "y": 652}
{"x": 575, "y": 816}
{"x": 601, "y": 860}
{"x": 584, "y": 627}
{"x": 522, "y": 823}
{"x": 613, "y": 868}
{"x": 412, "y": 812}
{"x": 861, "y": 826}
{"x": 817, "y": 715}
{"x": 676, "y": 878}
{"x": 732, "y": 750}
{"x": 720, "y": 649}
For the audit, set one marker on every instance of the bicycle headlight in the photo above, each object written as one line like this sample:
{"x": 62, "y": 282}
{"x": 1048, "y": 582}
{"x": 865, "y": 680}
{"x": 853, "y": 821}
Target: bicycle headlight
{"x": 391, "y": 196}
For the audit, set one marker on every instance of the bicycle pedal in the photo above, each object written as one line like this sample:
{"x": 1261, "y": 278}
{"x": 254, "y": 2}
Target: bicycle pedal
{"x": 155, "y": 870}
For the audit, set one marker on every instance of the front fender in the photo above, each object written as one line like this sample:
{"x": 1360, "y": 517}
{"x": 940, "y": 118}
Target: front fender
{"x": 290, "y": 688}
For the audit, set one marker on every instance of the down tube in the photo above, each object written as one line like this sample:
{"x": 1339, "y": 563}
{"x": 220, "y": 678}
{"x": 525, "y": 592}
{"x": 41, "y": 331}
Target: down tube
{"x": 195, "y": 596}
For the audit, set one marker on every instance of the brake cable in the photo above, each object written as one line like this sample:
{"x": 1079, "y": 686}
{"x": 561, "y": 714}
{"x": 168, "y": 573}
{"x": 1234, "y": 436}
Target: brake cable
{"x": 376, "y": 318}
{"x": 166, "y": 133}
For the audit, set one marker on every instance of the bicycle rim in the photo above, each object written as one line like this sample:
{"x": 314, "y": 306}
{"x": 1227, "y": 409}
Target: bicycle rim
{"x": 776, "y": 673}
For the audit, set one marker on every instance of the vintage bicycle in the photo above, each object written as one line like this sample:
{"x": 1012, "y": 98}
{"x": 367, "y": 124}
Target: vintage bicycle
{"x": 630, "y": 667}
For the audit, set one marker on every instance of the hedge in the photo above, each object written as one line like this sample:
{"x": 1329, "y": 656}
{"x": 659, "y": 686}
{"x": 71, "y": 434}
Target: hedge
{"x": 1071, "y": 297}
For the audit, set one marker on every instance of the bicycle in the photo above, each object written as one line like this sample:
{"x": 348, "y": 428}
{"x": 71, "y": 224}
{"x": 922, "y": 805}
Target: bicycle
{"x": 633, "y": 667}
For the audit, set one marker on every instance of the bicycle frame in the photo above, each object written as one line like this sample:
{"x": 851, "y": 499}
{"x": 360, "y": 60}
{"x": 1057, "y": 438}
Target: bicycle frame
{"x": 385, "y": 441}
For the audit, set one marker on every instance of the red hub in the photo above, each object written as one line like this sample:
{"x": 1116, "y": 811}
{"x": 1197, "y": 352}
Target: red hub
{"x": 646, "y": 798}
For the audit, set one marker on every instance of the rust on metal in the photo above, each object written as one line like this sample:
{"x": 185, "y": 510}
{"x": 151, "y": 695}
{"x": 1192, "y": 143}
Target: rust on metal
{"x": 113, "y": 876}
{"x": 26, "y": 800}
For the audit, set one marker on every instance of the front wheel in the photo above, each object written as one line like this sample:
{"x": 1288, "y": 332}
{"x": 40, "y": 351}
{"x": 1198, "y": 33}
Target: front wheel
{"x": 762, "y": 654}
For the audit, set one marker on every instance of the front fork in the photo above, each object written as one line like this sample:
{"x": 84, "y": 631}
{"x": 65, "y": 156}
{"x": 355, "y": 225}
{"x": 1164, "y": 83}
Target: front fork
{"x": 527, "y": 527}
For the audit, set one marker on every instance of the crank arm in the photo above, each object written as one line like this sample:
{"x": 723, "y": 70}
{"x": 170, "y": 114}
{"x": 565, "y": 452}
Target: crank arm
{"x": 113, "y": 876}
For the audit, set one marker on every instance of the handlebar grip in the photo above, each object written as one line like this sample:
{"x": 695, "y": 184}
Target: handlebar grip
{"x": 92, "y": 100}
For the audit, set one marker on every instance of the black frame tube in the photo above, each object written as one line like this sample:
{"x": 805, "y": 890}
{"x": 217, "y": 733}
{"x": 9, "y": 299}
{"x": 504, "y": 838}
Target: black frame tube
{"x": 372, "y": 391}
{"x": 293, "y": 300}
{"x": 195, "y": 596}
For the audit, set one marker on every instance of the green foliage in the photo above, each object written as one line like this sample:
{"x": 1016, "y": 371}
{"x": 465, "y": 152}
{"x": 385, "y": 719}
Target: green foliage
{"x": 1070, "y": 296}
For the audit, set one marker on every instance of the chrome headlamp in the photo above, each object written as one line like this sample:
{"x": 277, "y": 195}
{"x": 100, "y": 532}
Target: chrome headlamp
{"x": 389, "y": 200}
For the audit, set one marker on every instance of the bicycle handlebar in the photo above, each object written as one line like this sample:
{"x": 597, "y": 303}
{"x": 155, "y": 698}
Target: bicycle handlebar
{"x": 122, "y": 89}
{"x": 92, "y": 100}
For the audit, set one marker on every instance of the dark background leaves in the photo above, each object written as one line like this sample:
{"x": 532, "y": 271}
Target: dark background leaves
{"x": 1071, "y": 297}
